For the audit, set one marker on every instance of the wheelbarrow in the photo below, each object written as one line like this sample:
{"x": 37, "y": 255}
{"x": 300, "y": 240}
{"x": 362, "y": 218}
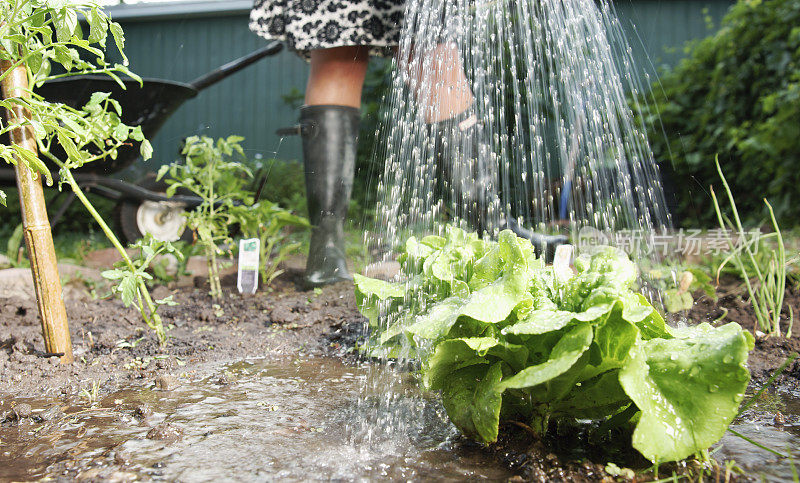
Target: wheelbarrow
{"x": 142, "y": 207}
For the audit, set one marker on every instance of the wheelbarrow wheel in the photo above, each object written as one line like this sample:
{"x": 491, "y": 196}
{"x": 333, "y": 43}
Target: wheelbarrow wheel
{"x": 164, "y": 220}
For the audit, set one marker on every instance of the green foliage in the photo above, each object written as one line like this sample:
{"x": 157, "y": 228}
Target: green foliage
{"x": 35, "y": 34}
{"x": 504, "y": 337}
{"x": 130, "y": 284}
{"x": 210, "y": 171}
{"x": 769, "y": 287}
{"x": 266, "y": 221}
{"x": 678, "y": 283}
{"x": 284, "y": 185}
{"x": 737, "y": 94}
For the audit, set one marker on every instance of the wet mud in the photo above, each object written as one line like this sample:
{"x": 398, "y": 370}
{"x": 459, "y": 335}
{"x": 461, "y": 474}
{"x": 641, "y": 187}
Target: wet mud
{"x": 269, "y": 386}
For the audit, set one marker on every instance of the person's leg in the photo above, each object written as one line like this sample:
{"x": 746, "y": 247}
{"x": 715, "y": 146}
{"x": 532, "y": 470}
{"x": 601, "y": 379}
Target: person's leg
{"x": 329, "y": 127}
{"x": 439, "y": 84}
{"x": 337, "y": 76}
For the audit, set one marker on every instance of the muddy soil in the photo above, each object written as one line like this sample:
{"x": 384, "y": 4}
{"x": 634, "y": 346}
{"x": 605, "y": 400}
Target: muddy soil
{"x": 114, "y": 349}
{"x": 112, "y": 345}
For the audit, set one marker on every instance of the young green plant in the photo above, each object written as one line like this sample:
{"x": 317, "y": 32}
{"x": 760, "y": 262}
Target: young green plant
{"x": 266, "y": 221}
{"x": 210, "y": 171}
{"x": 506, "y": 338}
{"x": 767, "y": 291}
{"x": 37, "y": 34}
{"x": 129, "y": 282}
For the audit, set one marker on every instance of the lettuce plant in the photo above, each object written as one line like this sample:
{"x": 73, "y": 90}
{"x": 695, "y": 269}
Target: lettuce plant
{"x": 504, "y": 337}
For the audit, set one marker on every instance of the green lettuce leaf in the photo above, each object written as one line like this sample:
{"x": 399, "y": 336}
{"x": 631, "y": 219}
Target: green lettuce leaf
{"x": 454, "y": 354}
{"x": 472, "y": 399}
{"x": 688, "y": 388}
{"x": 564, "y": 355}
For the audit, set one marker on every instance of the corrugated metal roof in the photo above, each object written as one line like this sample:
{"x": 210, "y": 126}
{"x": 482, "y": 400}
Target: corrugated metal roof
{"x": 165, "y": 10}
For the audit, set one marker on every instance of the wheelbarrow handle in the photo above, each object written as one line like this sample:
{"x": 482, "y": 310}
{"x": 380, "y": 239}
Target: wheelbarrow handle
{"x": 233, "y": 66}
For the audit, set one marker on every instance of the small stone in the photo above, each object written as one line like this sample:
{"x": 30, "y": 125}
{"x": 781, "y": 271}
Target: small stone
{"x": 165, "y": 432}
{"x": 51, "y": 413}
{"x": 22, "y": 410}
{"x": 166, "y": 383}
{"x": 121, "y": 458}
{"x": 54, "y": 360}
{"x": 143, "y": 411}
{"x": 122, "y": 477}
{"x": 89, "y": 474}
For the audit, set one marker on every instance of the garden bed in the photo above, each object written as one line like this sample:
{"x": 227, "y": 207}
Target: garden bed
{"x": 114, "y": 352}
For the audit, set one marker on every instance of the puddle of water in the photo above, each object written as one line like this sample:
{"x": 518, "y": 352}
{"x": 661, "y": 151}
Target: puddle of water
{"x": 298, "y": 420}
{"x": 759, "y": 425}
{"x": 290, "y": 421}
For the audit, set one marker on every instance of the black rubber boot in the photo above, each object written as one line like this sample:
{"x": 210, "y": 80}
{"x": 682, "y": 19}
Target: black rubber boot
{"x": 330, "y": 137}
{"x": 469, "y": 178}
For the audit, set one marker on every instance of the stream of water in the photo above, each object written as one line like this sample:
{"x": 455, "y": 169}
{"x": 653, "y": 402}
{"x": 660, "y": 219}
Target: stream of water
{"x": 554, "y": 144}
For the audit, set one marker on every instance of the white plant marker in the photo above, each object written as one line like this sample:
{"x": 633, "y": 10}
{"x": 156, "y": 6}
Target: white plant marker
{"x": 562, "y": 261}
{"x": 247, "y": 279}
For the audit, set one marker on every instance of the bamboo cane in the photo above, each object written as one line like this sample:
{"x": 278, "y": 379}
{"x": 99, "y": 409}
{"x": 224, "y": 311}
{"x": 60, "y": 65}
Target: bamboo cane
{"x": 38, "y": 238}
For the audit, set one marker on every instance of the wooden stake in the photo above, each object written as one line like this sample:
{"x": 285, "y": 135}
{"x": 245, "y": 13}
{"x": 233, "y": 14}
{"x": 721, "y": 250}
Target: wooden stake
{"x": 38, "y": 238}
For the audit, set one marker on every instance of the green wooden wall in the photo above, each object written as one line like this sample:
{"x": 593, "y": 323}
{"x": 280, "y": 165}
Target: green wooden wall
{"x": 183, "y": 41}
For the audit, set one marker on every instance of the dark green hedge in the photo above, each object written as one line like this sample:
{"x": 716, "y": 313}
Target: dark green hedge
{"x": 737, "y": 94}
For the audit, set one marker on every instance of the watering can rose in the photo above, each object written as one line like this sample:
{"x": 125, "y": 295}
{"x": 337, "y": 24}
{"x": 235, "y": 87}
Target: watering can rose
{"x": 503, "y": 338}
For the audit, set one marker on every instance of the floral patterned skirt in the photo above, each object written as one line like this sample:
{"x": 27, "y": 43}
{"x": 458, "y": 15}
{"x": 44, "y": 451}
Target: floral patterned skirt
{"x": 307, "y": 25}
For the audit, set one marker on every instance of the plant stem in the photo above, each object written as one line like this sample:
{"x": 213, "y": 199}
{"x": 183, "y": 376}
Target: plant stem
{"x": 150, "y": 315}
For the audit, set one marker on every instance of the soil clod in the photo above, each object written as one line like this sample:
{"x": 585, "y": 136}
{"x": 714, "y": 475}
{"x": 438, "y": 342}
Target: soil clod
{"x": 22, "y": 411}
{"x": 165, "y": 432}
{"x": 166, "y": 383}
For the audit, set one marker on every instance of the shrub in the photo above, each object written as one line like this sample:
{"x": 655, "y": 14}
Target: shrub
{"x": 737, "y": 94}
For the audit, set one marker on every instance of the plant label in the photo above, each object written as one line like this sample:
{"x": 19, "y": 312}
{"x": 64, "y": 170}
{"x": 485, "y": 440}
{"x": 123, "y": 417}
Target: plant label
{"x": 247, "y": 279}
{"x": 562, "y": 262}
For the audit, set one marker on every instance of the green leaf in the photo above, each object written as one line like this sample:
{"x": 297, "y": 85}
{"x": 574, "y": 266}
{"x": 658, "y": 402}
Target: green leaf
{"x": 439, "y": 319}
{"x": 128, "y": 288}
{"x": 33, "y": 162}
{"x": 451, "y": 355}
{"x": 677, "y": 301}
{"x": 66, "y": 22}
{"x": 688, "y": 388}
{"x": 119, "y": 39}
{"x": 114, "y": 274}
{"x": 472, "y": 399}
{"x": 564, "y": 355}
{"x": 614, "y": 339}
{"x": 146, "y": 150}
{"x": 15, "y": 242}
{"x": 540, "y": 322}
{"x": 98, "y": 26}
{"x": 162, "y": 171}
{"x": 378, "y": 288}
{"x": 595, "y": 398}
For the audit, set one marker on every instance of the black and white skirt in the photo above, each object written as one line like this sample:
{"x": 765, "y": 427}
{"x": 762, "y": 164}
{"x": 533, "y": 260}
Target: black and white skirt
{"x": 306, "y": 25}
